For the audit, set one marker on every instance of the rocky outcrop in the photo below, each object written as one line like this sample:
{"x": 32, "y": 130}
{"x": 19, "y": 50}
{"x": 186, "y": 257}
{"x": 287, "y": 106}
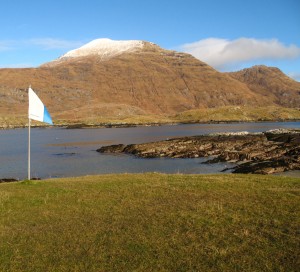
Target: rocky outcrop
{"x": 119, "y": 148}
{"x": 5, "y": 180}
{"x": 262, "y": 153}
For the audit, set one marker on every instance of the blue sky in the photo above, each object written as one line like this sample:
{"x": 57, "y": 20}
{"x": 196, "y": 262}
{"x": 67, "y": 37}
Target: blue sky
{"x": 227, "y": 34}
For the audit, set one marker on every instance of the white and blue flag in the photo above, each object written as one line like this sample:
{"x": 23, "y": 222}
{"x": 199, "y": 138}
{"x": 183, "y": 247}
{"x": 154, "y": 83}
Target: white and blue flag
{"x": 37, "y": 111}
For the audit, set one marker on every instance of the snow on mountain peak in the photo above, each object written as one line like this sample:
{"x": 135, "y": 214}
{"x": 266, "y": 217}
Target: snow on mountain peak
{"x": 105, "y": 48}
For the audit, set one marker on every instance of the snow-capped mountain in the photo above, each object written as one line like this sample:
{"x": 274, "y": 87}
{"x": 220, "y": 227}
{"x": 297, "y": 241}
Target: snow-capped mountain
{"x": 105, "y": 48}
{"x": 107, "y": 78}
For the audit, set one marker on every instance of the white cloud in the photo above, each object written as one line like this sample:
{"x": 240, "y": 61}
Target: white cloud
{"x": 42, "y": 43}
{"x": 5, "y": 45}
{"x": 295, "y": 75}
{"x": 50, "y": 43}
{"x": 223, "y": 53}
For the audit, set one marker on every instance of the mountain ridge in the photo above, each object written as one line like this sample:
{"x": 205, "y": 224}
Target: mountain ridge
{"x": 272, "y": 82}
{"x": 144, "y": 81}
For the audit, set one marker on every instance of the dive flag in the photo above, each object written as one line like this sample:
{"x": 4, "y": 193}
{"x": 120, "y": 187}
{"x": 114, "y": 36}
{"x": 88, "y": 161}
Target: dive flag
{"x": 37, "y": 111}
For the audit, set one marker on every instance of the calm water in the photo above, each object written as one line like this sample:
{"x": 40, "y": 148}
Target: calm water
{"x": 58, "y": 152}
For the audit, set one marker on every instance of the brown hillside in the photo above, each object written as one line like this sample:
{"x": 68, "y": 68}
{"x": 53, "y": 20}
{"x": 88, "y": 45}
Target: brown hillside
{"x": 272, "y": 83}
{"x": 150, "y": 80}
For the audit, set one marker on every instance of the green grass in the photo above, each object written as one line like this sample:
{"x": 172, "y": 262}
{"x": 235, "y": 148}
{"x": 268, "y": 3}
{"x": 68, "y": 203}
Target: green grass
{"x": 151, "y": 222}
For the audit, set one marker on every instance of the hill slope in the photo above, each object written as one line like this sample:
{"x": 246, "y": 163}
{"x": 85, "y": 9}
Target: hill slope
{"x": 105, "y": 79}
{"x": 272, "y": 83}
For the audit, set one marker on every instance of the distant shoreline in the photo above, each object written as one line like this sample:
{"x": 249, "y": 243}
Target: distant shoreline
{"x": 223, "y": 115}
{"x": 150, "y": 124}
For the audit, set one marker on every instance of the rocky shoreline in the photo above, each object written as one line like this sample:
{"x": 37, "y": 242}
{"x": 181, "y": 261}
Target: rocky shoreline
{"x": 259, "y": 153}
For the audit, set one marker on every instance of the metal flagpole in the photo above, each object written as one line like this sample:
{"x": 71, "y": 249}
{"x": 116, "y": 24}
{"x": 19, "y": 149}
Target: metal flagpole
{"x": 28, "y": 148}
{"x": 28, "y": 141}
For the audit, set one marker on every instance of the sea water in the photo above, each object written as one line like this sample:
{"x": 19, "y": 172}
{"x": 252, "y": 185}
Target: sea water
{"x": 60, "y": 152}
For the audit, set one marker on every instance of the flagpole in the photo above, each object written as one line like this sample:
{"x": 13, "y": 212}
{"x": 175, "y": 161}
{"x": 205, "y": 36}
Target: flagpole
{"x": 29, "y": 123}
{"x": 28, "y": 148}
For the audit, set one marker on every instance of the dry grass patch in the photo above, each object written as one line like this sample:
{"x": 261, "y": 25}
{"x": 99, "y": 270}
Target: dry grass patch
{"x": 239, "y": 113}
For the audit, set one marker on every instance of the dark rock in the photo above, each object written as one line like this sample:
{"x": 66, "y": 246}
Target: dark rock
{"x": 283, "y": 135}
{"x": 119, "y": 148}
{"x": 263, "y": 167}
{"x": 8, "y": 180}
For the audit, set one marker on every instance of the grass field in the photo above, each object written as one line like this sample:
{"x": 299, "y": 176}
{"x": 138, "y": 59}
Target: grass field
{"x": 151, "y": 222}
